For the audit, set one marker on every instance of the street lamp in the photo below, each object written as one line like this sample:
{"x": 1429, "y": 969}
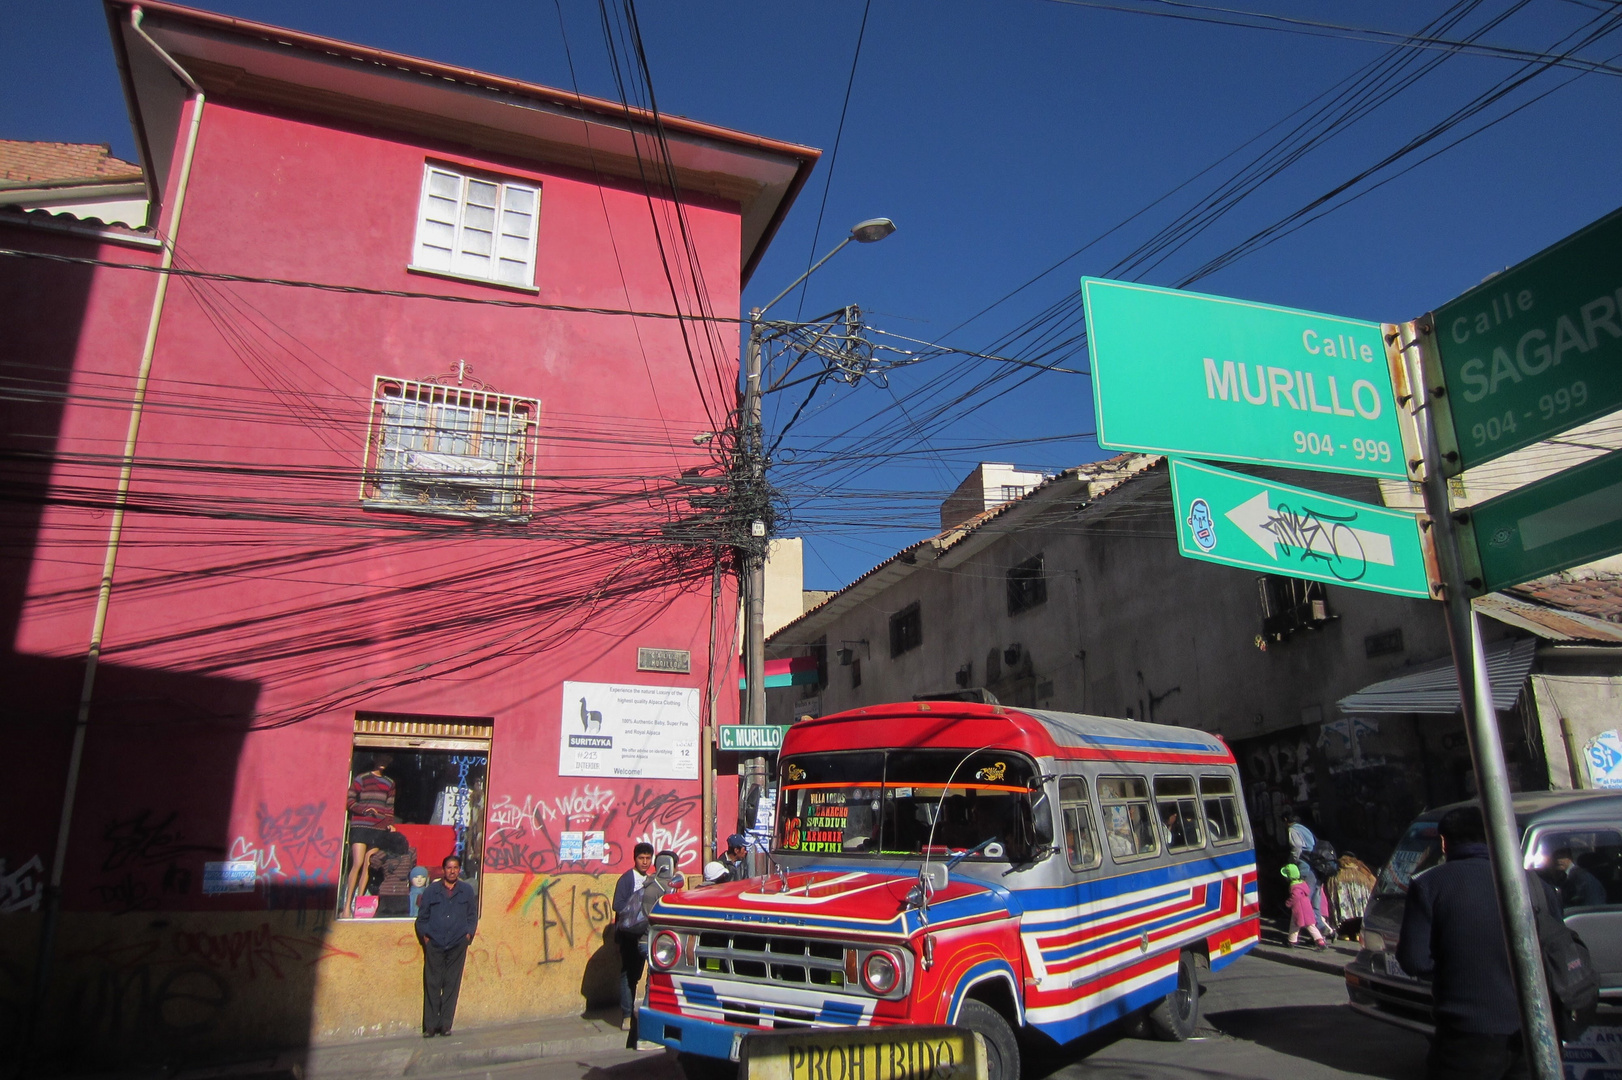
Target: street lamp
{"x": 753, "y": 446}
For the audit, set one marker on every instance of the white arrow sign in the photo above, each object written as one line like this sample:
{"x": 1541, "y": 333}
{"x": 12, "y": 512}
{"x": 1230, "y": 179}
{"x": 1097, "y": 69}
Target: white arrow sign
{"x": 1307, "y": 530}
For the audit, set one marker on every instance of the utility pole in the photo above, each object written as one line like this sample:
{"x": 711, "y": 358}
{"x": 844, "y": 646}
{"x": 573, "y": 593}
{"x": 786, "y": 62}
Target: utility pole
{"x": 752, "y": 550}
{"x": 754, "y": 583}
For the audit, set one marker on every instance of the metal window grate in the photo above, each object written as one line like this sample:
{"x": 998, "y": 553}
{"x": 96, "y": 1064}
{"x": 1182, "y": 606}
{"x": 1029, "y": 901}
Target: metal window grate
{"x": 452, "y": 450}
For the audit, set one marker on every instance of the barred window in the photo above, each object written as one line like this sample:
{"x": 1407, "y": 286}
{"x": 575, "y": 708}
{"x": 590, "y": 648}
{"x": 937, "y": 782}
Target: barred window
{"x": 1027, "y": 586}
{"x": 448, "y": 450}
{"x": 906, "y": 629}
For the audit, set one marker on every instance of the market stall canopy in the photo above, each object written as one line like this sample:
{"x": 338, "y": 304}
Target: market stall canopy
{"x": 1433, "y": 690}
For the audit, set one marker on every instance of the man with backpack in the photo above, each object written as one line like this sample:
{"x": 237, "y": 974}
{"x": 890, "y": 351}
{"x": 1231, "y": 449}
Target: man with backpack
{"x": 630, "y": 923}
{"x": 1451, "y": 931}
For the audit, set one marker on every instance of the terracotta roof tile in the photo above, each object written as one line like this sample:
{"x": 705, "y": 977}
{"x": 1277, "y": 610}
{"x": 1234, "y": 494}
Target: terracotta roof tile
{"x": 33, "y": 162}
{"x": 1597, "y": 596}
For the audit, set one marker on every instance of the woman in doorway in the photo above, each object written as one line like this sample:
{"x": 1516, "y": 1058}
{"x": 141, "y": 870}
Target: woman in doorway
{"x": 371, "y": 816}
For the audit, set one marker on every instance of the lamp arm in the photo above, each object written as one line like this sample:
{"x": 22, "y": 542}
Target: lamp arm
{"x": 796, "y": 283}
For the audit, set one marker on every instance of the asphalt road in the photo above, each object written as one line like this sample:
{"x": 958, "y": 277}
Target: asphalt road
{"x": 1262, "y": 1020}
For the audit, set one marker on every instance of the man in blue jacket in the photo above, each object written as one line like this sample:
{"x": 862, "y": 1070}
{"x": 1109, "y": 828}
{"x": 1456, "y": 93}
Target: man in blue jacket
{"x": 1451, "y": 931}
{"x": 447, "y": 918}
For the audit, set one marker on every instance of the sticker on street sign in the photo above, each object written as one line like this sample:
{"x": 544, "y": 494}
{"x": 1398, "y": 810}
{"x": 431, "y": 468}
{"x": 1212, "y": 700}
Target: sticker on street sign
{"x": 1225, "y": 517}
{"x": 1564, "y": 520}
{"x": 1536, "y": 350}
{"x": 1177, "y": 372}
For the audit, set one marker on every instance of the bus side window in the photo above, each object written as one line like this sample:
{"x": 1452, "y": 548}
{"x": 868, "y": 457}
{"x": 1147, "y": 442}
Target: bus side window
{"x": 1080, "y": 847}
{"x": 1221, "y": 809}
{"x": 1129, "y": 825}
{"x": 1179, "y": 812}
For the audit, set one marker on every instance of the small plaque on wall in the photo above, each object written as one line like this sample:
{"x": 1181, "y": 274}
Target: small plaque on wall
{"x": 679, "y": 661}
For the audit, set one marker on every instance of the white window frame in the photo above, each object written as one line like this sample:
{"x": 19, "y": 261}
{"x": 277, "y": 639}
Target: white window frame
{"x": 425, "y": 453}
{"x": 454, "y": 253}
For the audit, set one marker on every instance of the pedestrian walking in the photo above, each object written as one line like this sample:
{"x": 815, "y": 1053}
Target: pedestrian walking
{"x": 1303, "y": 846}
{"x": 1451, "y": 930}
{"x": 1302, "y": 914}
{"x": 737, "y": 857}
{"x": 447, "y": 919}
{"x": 630, "y": 923}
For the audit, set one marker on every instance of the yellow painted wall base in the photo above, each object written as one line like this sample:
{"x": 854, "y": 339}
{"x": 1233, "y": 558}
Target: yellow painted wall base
{"x": 186, "y": 985}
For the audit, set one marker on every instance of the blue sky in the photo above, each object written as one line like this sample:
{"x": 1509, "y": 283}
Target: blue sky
{"x": 1003, "y": 135}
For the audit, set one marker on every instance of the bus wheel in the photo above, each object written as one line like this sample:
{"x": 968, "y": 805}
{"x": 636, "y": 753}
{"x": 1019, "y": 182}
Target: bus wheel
{"x": 1002, "y": 1049}
{"x": 1177, "y": 1015}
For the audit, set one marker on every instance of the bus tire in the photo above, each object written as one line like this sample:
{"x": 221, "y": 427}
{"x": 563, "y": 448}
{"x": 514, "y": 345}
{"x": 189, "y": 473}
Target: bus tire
{"x": 1177, "y": 1015}
{"x": 1002, "y": 1048}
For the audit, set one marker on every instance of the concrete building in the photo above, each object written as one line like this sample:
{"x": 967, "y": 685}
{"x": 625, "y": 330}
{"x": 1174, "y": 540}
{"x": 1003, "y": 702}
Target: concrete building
{"x": 414, "y": 481}
{"x": 1074, "y": 597}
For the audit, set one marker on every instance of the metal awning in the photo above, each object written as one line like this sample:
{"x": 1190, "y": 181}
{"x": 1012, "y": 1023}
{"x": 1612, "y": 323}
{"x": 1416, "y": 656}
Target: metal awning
{"x": 1433, "y": 690}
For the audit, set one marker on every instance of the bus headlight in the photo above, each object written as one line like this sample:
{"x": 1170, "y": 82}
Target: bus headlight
{"x": 881, "y": 972}
{"x": 664, "y": 950}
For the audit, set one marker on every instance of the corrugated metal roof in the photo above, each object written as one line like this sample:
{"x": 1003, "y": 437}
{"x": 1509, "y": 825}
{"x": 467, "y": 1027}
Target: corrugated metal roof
{"x": 1433, "y": 690}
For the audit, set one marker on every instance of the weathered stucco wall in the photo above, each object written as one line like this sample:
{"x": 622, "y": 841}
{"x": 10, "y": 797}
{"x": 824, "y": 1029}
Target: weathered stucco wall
{"x": 149, "y": 985}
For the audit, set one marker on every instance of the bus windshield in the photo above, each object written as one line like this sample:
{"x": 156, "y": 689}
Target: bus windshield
{"x": 900, "y": 803}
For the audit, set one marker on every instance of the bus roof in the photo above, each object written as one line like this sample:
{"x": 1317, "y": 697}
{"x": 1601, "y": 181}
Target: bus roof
{"x": 1040, "y": 733}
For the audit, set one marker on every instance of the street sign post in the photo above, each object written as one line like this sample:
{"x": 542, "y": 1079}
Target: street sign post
{"x": 1535, "y": 350}
{"x": 1564, "y": 520}
{"x": 1183, "y": 373}
{"x": 1225, "y": 517}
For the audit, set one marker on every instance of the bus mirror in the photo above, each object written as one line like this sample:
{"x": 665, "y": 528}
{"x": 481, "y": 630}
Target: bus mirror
{"x": 937, "y": 874}
{"x": 1041, "y": 820}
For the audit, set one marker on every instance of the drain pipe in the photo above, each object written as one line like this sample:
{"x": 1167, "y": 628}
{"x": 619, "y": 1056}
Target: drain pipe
{"x": 52, "y": 905}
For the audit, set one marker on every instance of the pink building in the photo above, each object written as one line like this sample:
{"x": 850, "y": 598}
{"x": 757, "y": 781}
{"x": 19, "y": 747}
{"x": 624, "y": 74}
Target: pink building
{"x": 418, "y": 497}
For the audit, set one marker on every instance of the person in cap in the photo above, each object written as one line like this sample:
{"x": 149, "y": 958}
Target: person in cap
{"x": 1302, "y": 915}
{"x": 716, "y": 872}
{"x": 737, "y": 857}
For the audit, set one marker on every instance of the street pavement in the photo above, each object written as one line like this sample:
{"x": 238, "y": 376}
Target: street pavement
{"x": 1277, "y": 1017}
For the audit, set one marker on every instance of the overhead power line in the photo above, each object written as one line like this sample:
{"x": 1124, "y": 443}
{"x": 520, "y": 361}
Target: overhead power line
{"x": 362, "y": 290}
{"x": 1260, "y": 20}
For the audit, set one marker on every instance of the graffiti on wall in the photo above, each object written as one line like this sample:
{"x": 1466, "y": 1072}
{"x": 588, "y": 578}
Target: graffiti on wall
{"x": 22, "y": 888}
{"x": 525, "y": 834}
{"x": 255, "y": 951}
{"x": 1343, "y": 739}
{"x": 146, "y": 857}
{"x": 572, "y": 913}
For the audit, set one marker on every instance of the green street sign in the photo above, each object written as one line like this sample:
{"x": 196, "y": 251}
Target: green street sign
{"x": 1182, "y": 373}
{"x": 1564, "y": 520}
{"x": 1224, "y": 517}
{"x": 1536, "y": 350}
{"x": 752, "y": 736}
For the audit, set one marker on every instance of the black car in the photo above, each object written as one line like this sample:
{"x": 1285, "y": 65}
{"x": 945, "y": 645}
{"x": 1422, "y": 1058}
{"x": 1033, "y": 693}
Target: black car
{"x": 1587, "y": 822}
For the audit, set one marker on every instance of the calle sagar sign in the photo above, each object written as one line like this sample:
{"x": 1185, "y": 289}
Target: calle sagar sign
{"x": 1537, "y": 349}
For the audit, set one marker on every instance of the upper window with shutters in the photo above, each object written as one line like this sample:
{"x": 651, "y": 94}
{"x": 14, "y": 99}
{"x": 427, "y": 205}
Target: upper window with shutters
{"x": 476, "y": 227}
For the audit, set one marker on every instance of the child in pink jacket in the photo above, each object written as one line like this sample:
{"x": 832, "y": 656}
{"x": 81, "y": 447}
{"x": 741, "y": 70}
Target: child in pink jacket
{"x": 1301, "y": 910}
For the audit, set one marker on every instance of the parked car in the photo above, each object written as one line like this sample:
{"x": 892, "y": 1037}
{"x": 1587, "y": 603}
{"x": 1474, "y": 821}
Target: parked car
{"x": 1587, "y": 822}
